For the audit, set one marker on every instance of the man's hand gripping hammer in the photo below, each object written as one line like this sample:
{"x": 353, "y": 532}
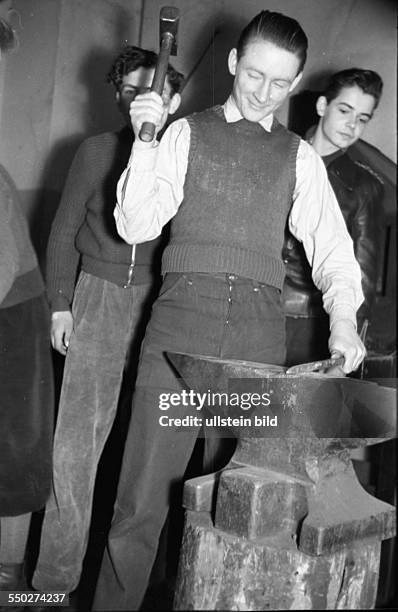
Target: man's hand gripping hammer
{"x": 168, "y": 26}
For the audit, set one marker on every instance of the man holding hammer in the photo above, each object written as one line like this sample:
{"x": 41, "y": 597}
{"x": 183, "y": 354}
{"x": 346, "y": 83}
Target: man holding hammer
{"x": 230, "y": 177}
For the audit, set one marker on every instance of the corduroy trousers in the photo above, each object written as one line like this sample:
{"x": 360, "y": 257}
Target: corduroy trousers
{"x": 107, "y": 322}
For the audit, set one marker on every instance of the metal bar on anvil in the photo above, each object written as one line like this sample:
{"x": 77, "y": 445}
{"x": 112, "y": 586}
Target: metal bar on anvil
{"x": 313, "y": 404}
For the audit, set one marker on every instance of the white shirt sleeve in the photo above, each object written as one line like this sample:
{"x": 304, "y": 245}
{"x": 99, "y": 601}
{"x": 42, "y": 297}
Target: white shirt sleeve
{"x": 317, "y": 221}
{"x": 151, "y": 188}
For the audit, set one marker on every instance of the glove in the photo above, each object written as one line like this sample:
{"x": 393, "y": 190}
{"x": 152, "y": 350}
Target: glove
{"x": 345, "y": 341}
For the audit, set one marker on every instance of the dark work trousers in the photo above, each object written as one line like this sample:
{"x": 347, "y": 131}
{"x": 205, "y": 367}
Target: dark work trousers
{"x": 218, "y": 315}
{"x": 306, "y": 339}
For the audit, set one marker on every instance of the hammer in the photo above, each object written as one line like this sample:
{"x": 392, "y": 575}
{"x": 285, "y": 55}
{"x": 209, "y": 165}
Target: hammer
{"x": 168, "y": 25}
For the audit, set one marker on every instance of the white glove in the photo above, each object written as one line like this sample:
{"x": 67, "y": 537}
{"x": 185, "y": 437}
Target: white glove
{"x": 345, "y": 341}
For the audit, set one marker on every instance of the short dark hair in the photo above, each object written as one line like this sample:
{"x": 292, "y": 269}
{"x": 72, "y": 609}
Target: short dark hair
{"x": 279, "y": 29}
{"x": 367, "y": 80}
{"x": 131, "y": 58}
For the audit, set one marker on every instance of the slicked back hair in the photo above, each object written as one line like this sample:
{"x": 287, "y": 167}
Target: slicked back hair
{"x": 367, "y": 80}
{"x": 282, "y": 31}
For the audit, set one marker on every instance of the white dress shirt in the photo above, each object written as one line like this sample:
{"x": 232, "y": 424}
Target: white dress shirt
{"x": 151, "y": 189}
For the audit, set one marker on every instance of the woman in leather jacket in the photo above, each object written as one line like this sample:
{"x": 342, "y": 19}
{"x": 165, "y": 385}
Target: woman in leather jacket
{"x": 344, "y": 109}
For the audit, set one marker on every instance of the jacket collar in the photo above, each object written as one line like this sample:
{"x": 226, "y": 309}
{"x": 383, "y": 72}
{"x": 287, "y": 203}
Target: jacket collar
{"x": 344, "y": 168}
{"x": 339, "y": 163}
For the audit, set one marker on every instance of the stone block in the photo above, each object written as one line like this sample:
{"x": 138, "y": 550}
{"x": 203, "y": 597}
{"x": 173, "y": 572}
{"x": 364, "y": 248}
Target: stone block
{"x": 254, "y": 503}
{"x": 199, "y": 493}
{"x": 340, "y": 512}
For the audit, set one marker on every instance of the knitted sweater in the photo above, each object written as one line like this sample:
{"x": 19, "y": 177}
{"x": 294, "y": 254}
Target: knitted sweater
{"x": 20, "y": 278}
{"x": 84, "y": 230}
{"x": 237, "y": 196}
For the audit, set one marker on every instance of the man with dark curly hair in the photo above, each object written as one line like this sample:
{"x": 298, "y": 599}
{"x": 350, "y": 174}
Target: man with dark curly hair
{"x": 97, "y": 322}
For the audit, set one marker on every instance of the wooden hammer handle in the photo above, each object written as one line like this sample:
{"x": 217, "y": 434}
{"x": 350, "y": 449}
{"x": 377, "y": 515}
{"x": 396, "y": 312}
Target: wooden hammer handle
{"x": 147, "y": 131}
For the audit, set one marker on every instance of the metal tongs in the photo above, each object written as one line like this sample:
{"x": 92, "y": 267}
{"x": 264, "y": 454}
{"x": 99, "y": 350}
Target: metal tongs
{"x": 314, "y": 366}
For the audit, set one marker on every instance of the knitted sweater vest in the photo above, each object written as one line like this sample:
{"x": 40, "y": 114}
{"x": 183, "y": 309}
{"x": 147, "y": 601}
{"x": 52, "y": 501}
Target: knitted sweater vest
{"x": 237, "y": 196}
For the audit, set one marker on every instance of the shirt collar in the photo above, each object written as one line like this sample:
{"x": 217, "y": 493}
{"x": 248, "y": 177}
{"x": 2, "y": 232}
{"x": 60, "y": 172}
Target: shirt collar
{"x": 232, "y": 114}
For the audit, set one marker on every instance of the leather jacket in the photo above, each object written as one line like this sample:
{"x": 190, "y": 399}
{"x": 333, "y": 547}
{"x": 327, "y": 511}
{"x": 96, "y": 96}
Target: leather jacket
{"x": 359, "y": 192}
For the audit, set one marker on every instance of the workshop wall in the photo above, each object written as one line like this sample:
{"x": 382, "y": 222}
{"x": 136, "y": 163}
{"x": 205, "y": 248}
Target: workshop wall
{"x": 53, "y": 93}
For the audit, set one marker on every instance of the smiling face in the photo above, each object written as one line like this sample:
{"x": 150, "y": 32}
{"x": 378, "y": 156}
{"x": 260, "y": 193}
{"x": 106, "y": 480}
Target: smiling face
{"x": 139, "y": 81}
{"x": 264, "y": 76}
{"x": 343, "y": 119}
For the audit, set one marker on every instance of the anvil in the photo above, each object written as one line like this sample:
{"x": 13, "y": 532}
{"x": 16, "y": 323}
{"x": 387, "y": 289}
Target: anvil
{"x": 289, "y": 496}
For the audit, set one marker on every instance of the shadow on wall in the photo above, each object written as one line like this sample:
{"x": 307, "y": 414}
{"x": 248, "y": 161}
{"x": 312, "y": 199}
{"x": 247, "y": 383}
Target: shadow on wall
{"x": 208, "y": 80}
{"x": 302, "y": 110}
{"x": 100, "y": 114}
{"x": 97, "y": 114}
{"x": 43, "y": 202}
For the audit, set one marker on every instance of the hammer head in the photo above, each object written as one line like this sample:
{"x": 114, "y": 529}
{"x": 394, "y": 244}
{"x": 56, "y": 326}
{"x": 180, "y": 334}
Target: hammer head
{"x": 168, "y": 26}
